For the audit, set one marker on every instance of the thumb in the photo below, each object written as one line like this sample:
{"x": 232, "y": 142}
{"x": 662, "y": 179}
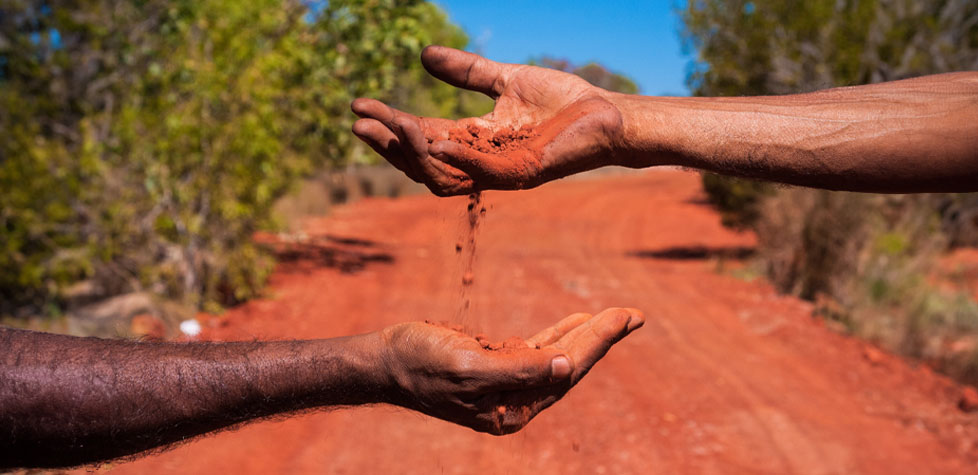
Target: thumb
{"x": 590, "y": 341}
{"x": 522, "y": 368}
{"x": 466, "y": 70}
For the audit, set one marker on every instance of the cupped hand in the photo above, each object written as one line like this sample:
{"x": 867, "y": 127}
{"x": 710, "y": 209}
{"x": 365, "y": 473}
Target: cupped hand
{"x": 575, "y": 127}
{"x": 450, "y": 375}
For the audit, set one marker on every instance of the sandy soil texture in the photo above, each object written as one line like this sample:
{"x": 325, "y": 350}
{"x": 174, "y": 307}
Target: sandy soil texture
{"x": 725, "y": 377}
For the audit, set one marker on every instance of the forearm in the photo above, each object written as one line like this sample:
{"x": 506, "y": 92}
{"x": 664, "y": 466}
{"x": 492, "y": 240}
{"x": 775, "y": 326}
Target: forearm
{"x": 67, "y": 401}
{"x": 906, "y": 136}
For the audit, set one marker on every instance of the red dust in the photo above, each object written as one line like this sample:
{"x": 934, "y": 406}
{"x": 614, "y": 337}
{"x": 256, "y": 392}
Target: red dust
{"x": 475, "y": 211}
{"x": 726, "y": 375}
{"x": 511, "y": 343}
{"x": 487, "y": 141}
{"x": 969, "y": 399}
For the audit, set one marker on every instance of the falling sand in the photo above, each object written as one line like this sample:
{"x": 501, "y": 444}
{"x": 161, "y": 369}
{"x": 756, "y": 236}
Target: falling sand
{"x": 466, "y": 250}
{"x": 501, "y": 143}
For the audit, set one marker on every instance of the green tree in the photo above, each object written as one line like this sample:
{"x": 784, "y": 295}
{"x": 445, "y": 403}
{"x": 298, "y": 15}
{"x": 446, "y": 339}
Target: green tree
{"x": 864, "y": 259}
{"x": 144, "y": 141}
{"x": 769, "y": 47}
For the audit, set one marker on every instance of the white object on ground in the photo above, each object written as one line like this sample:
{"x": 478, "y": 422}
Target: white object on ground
{"x": 190, "y": 327}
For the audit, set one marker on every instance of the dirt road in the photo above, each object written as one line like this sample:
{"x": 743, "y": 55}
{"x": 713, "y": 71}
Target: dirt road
{"x": 726, "y": 376}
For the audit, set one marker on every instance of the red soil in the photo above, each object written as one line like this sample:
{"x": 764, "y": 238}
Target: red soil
{"x": 725, "y": 377}
{"x": 513, "y": 342}
{"x": 475, "y": 211}
{"x": 486, "y": 141}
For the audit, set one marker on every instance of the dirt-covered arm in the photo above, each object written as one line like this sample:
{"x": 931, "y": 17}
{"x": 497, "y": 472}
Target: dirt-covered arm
{"x": 905, "y": 136}
{"x": 915, "y": 135}
{"x": 67, "y": 401}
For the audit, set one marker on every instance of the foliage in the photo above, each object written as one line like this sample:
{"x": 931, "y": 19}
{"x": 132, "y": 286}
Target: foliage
{"x": 143, "y": 141}
{"x": 771, "y": 47}
{"x": 865, "y": 260}
{"x": 737, "y": 199}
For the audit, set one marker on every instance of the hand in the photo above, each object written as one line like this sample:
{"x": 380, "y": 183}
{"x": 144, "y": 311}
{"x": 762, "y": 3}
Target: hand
{"x": 450, "y": 375}
{"x": 574, "y": 127}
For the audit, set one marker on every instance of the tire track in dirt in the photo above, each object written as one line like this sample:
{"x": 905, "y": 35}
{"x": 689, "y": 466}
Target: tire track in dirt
{"x": 726, "y": 377}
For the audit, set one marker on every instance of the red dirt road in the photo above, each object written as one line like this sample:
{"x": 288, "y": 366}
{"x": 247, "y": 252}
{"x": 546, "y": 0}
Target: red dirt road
{"x": 725, "y": 377}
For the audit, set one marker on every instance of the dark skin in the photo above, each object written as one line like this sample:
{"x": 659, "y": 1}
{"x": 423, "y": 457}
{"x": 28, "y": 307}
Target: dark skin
{"x": 915, "y": 135}
{"x": 67, "y": 401}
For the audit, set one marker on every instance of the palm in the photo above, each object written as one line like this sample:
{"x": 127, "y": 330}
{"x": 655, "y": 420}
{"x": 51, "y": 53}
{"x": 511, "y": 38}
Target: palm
{"x": 535, "y": 95}
{"x": 451, "y": 375}
{"x": 575, "y": 127}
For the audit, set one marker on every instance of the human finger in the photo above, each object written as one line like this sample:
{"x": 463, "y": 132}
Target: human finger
{"x": 590, "y": 341}
{"x": 464, "y": 158}
{"x": 368, "y": 108}
{"x": 413, "y": 144}
{"x": 449, "y": 181}
{"x": 466, "y": 70}
{"x": 436, "y": 174}
{"x": 436, "y": 128}
{"x": 553, "y": 333}
{"x": 518, "y": 368}
{"x": 384, "y": 142}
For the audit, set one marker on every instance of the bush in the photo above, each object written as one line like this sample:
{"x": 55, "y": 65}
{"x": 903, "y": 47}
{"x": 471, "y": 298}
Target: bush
{"x": 867, "y": 261}
{"x": 144, "y": 142}
{"x": 737, "y": 199}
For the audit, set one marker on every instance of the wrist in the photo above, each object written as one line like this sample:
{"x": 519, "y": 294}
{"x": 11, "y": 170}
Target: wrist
{"x": 329, "y": 372}
{"x": 649, "y": 134}
{"x": 367, "y": 369}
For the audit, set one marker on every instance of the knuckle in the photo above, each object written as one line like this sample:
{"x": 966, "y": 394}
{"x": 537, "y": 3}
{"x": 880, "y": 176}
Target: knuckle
{"x": 463, "y": 363}
{"x": 438, "y": 190}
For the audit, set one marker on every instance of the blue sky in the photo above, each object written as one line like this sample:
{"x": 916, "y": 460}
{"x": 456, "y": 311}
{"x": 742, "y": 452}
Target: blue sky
{"x": 637, "y": 38}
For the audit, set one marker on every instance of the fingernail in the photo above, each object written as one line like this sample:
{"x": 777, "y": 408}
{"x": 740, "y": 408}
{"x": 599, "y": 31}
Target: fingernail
{"x": 560, "y": 368}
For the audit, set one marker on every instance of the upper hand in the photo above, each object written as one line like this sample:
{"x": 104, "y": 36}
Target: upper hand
{"x": 450, "y": 375}
{"x": 575, "y": 126}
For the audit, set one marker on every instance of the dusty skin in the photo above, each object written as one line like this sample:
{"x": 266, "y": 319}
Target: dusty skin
{"x": 545, "y": 125}
{"x": 726, "y": 376}
{"x": 908, "y": 136}
{"x": 583, "y": 338}
{"x": 152, "y": 395}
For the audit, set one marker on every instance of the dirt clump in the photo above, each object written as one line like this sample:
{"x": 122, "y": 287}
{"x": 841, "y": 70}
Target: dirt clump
{"x": 969, "y": 399}
{"x": 487, "y": 141}
{"x": 511, "y": 343}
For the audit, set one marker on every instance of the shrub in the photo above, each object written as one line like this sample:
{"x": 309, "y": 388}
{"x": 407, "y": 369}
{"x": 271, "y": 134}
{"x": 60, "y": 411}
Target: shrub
{"x": 737, "y": 199}
{"x": 144, "y": 142}
{"x": 867, "y": 261}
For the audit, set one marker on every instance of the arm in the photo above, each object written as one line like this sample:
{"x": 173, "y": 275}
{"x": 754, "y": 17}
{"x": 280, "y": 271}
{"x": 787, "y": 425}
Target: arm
{"x": 904, "y": 136}
{"x": 67, "y": 401}
{"x": 916, "y": 135}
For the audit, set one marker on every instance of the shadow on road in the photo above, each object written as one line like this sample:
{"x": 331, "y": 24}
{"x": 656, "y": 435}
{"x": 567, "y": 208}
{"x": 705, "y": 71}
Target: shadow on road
{"x": 690, "y": 253}
{"x": 305, "y": 257}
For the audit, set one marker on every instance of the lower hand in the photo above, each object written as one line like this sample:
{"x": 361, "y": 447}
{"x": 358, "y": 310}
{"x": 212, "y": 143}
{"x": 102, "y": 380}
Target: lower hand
{"x": 450, "y": 375}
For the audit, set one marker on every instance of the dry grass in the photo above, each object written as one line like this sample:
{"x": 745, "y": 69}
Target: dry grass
{"x": 870, "y": 264}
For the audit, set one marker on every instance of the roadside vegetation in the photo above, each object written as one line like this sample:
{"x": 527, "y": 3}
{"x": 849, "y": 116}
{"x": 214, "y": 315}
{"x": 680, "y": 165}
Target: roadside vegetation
{"x": 869, "y": 262}
{"x": 145, "y": 142}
